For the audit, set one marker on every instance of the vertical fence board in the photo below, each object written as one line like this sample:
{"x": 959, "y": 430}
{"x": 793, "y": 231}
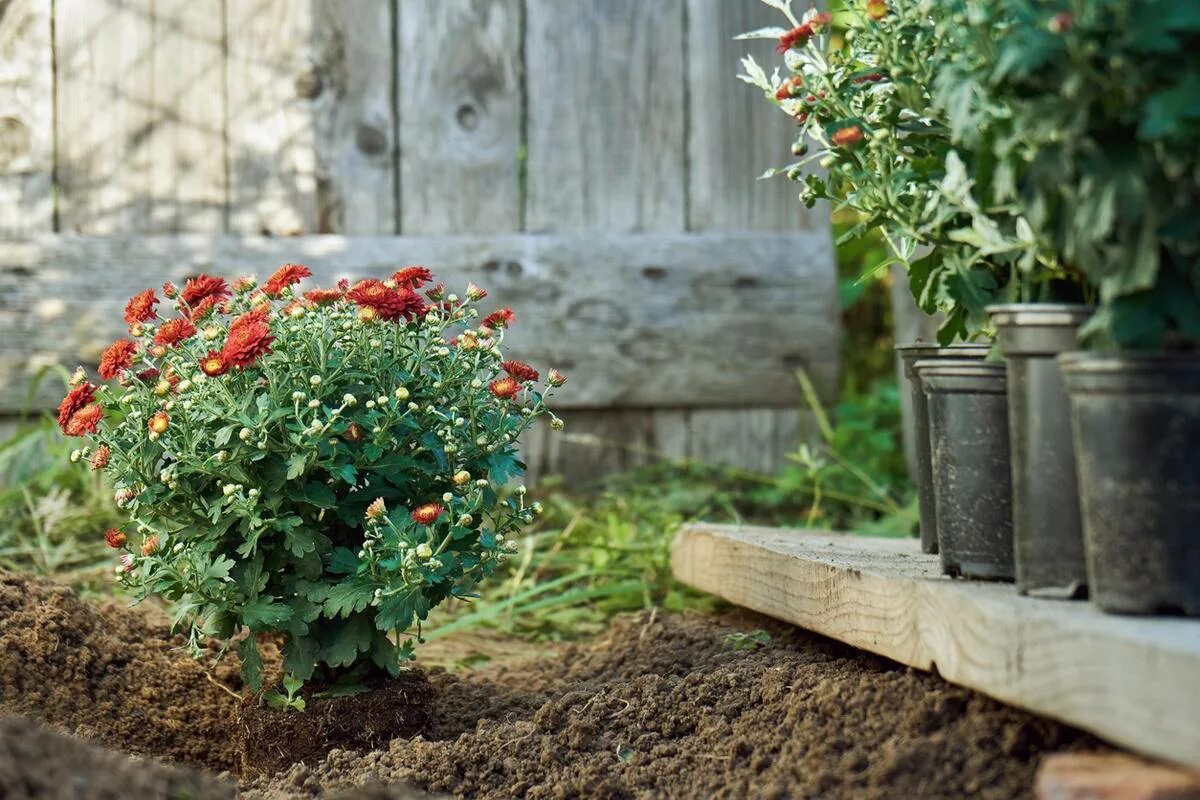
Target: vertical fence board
{"x": 459, "y": 94}
{"x": 606, "y": 137}
{"x": 354, "y": 118}
{"x": 272, "y": 79}
{"x": 26, "y": 118}
{"x": 105, "y": 114}
{"x": 186, "y": 144}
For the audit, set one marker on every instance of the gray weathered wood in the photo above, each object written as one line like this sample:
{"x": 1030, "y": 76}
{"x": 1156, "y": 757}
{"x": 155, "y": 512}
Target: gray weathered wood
{"x": 909, "y": 324}
{"x": 459, "y": 96}
{"x": 605, "y": 90}
{"x": 105, "y": 114}
{"x": 734, "y": 134}
{"x": 353, "y": 117}
{"x": 658, "y": 320}
{"x": 26, "y": 118}
{"x": 1128, "y": 679}
{"x": 273, "y": 77}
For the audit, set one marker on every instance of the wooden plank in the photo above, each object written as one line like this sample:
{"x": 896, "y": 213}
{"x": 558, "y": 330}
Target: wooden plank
{"x": 605, "y": 121}
{"x": 460, "y": 100}
{"x": 755, "y": 439}
{"x": 734, "y": 134}
{"x": 105, "y": 60}
{"x": 1131, "y": 680}
{"x": 728, "y": 314}
{"x": 186, "y": 142}
{"x": 26, "y": 118}
{"x": 353, "y": 117}
{"x": 273, "y": 78}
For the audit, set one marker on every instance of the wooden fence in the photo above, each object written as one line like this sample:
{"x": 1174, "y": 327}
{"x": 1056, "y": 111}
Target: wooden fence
{"x": 591, "y": 161}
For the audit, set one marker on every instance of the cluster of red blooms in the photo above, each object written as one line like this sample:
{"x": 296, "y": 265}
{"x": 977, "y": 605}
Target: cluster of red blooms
{"x": 799, "y": 35}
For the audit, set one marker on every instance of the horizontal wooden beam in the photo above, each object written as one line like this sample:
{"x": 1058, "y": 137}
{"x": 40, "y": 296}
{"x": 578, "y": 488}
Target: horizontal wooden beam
{"x": 696, "y": 320}
{"x": 1130, "y": 680}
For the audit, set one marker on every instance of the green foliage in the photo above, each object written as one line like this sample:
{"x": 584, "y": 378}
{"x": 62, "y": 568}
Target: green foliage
{"x": 1085, "y": 115}
{"x": 747, "y": 641}
{"x": 259, "y": 485}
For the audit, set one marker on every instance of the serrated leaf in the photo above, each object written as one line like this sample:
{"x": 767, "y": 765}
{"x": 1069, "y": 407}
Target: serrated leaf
{"x": 346, "y": 639}
{"x": 342, "y": 561}
{"x": 348, "y": 597}
{"x": 296, "y": 465}
{"x": 318, "y": 495}
{"x": 263, "y": 613}
{"x": 300, "y": 656}
{"x": 762, "y": 33}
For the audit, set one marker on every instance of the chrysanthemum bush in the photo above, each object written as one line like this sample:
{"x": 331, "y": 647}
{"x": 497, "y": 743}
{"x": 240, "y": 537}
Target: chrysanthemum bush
{"x": 326, "y": 465}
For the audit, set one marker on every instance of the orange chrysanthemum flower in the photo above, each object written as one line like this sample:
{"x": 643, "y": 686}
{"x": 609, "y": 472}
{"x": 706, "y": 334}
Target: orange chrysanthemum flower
{"x": 504, "y": 388}
{"x": 114, "y": 538}
{"x": 285, "y": 276}
{"x": 150, "y": 545}
{"x": 159, "y": 422}
{"x": 84, "y": 421}
{"x": 243, "y": 284}
{"x": 116, "y": 359}
{"x": 555, "y": 378}
{"x": 79, "y": 396}
{"x": 520, "y": 370}
{"x": 100, "y": 458}
{"x": 428, "y": 513}
{"x": 174, "y": 331}
{"x": 377, "y": 508}
{"x": 246, "y": 343}
{"x": 322, "y": 297}
{"x": 140, "y": 307}
{"x": 412, "y": 277}
{"x": 214, "y": 364}
{"x": 847, "y": 136}
{"x": 499, "y": 319}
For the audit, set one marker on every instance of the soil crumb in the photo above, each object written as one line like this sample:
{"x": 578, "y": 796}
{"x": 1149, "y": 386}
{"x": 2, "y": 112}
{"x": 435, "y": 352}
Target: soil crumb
{"x": 664, "y": 707}
{"x": 36, "y": 762}
{"x": 112, "y": 675}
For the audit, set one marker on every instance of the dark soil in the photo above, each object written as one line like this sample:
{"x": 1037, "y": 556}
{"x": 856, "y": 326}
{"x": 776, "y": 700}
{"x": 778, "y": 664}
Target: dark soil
{"x": 660, "y": 706}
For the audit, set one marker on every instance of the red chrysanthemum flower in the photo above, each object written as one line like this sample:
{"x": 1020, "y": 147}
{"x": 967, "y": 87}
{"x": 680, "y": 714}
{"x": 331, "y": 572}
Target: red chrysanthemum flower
{"x": 148, "y": 375}
{"x": 796, "y": 37}
{"x": 114, "y": 538}
{"x": 520, "y": 370}
{"x": 285, "y": 276}
{"x": 116, "y": 359}
{"x": 100, "y": 458}
{"x": 555, "y": 378}
{"x": 499, "y": 319}
{"x": 792, "y": 87}
{"x": 390, "y": 304}
{"x": 322, "y": 297}
{"x": 428, "y": 513}
{"x": 84, "y": 420}
{"x": 243, "y": 284}
{"x": 848, "y": 136}
{"x": 214, "y": 364}
{"x": 201, "y": 288}
{"x": 246, "y": 343}
{"x": 504, "y": 388}
{"x": 140, "y": 307}
{"x": 77, "y": 398}
{"x": 174, "y": 331}
{"x": 475, "y": 292}
{"x": 412, "y": 277}
{"x": 206, "y": 307}
{"x": 436, "y": 293}
{"x": 159, "y": 422}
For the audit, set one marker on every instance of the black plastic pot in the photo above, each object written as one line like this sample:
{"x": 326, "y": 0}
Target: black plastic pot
{"x": 1047, "y": 533}
{"x": 968, "y": 427}
{"x": 909, "y": 355}
{"x": 1136, "y": 422}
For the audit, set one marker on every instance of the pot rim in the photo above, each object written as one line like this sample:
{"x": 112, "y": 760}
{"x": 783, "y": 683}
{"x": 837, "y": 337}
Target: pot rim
{"x": 1041, "y": 314}
{"x": 935, "y": 350}
{"x": 961, "y": 368}
{"x": 1131, "y": 362}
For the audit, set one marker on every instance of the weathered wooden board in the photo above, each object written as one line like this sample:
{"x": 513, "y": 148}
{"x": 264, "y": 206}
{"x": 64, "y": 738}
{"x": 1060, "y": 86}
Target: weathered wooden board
{"x": 459, "y": 92}
{"x": 105, "y": 114}
{"x": 605, "y": 88}
{"x": 658, "y": 320}
{"x": 26, "y": 118}
{"x": 273, "y": 78}
{"x": 353, "y": 117}
{"x": 1131, "y": 680}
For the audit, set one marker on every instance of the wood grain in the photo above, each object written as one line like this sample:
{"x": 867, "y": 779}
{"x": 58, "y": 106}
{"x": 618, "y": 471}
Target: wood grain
{"x": 273, "y": 77}
{"x": 1127, "y": 679}
{"x": 606, "y": 122}
{"x": 26, "y": 118}
{"x": 658, "y": 320}
{"x": 353, "y": 117}
{"x": 459, "y": 95}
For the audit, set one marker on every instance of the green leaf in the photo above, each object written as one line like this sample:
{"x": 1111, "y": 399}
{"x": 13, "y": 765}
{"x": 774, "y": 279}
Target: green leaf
{"x": 300, "y": 541}
{"x": 263, "y": 613}
{"x": 296, "y": 465}
{"x": 300, "y": 655}
{"x": 318, "y": 495}
{"x": 397, "y": 611}
{"x": 252, "y": 663}
{"x": 344, "y": 640}
{"x": 222, "y": 437}
{"x": 348, "y": 597}
{"x": 342, "y": 561}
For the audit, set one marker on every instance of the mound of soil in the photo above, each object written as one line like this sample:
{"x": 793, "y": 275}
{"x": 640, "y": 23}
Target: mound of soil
{"x": 37, "y": 763}
{"x": 660, "y": 706}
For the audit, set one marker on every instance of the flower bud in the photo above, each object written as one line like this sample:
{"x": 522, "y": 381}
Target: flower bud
{"x": 424, "y": 550}
{"x": 461, "y": 477}
{"x": 401, "y": 393}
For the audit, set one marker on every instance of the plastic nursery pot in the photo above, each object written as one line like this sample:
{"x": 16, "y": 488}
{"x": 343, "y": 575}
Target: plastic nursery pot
{"x": 1047, "y": 533}
{"x": 909, "y": 355}
{"x": 1136, "y": 421}
{"x": 968, "y": 434}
